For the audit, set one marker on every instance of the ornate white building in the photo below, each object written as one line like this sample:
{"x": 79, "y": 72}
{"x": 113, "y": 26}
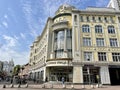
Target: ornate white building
{"x": 8, "y": 67}
{"x": 83, "y": 46}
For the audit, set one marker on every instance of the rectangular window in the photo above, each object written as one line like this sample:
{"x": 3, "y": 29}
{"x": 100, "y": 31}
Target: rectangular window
{"x": 81, "y": 18}
{"x": 99, "y": 18}
{"x": 100, "y": 41}
{"x": 105, "y": 18}
{"x": 102, "y": 56}
{"x": 113, "y": 42}
{"x": 116, "y": 57}
{"x": 93, "y": 18}
{"x": 87, "y": 56}
{"x": 111, "y": 29}
{"x": 87, "y": 18}
{"x": 85, "y": 28}
{"x": 98, "y": 29}
{"x": 119, "y": 19}
{"x": 87, "y": 41}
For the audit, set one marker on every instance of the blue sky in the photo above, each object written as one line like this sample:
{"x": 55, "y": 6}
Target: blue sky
{"x": 21, "y": 21}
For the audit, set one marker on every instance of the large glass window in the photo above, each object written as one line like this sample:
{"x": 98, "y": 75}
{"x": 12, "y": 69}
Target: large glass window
{"x": 60, "y": 40}
{"x": 87, "y": 56}
{"x": 116, "y": 57}
{"x": 113, "y": 42}
{"x": 59, "y": 53}
{"x": 98, "y": 29}
{"x": 102, "y": 56}
{"x": 69, "y": 43}
{"x": 87, "y": 41}
{"x": 85, "y": 28}
{"x": 59, "y": 43}
{"x": 111, "y": 29}
{"x": 100, "y": 41}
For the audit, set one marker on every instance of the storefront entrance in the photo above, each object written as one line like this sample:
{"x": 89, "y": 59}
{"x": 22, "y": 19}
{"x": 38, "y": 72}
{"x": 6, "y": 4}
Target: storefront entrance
{"x": 56, "y": 73}
{"x": 114, "y": 76}
{"x": 91, "y": 74}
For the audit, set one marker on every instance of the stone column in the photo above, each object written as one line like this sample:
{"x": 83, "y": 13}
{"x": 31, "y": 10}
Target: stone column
{"x": 52, "y": 51}
{"x": 77, "y": 74}
{"x": 104, "y": 75}
{"x": 65, "y": 44}
{"x": 53, "y": 37}
{"x": 65, "y": 38}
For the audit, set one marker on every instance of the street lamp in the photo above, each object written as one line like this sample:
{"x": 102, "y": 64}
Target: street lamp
{"x": 34, "y": 71}
{"x": 88, "y": 71}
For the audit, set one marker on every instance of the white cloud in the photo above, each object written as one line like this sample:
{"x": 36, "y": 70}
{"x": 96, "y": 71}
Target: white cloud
{"x": 5, "y": 16}
{"x": 10, "y": 41}
{"x": 22, "y": 35}
{"x": 18, "y": 57}
{"x": 8, "y": 51}
{"x": 5, "y": 24}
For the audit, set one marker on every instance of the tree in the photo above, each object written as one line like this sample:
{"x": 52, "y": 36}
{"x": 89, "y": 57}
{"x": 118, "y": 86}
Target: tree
{"x": 16, "y": 70}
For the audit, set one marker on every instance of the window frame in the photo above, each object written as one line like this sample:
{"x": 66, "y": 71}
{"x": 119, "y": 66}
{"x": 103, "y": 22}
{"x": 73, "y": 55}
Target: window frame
{"x": 111, "y": 29}
{"x": 113, "y": 42}
{"x": 87, "y": 41}
{"x": 85, "y": 28}
{"x": 98, "y": 29}
{"x": 100, "y": 42}
{"x": 102, "y": 56}
{"x": 88, "y": 54}
{"x": 116, "y": 57}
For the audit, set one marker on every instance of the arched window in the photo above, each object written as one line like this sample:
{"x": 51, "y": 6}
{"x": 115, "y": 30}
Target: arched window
{"x": 111, "y": 29}
{"x": 98, "y": 29}
{"x": 85, "y": 28}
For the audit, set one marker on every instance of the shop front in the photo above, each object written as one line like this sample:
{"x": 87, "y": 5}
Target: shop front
{"x": 57, "y": 73}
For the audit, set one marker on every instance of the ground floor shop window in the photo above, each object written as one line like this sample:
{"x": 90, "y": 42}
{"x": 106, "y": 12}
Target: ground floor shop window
{"x": 56, "y": 74}
{"x": 91, "y": 75}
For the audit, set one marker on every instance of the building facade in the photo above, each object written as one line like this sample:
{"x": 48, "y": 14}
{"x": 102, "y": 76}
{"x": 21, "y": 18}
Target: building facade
{"x": 114, "y": 4}
{"x": 83, "y": 46}
{"x": 8, "y": 67}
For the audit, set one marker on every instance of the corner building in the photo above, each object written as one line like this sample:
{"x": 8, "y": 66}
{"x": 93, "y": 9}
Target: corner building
{"x": 83, "y": 46}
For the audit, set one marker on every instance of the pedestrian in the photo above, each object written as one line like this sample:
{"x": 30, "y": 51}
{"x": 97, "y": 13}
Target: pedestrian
{"x": 63, "y": 80}
{"x": 46, "y": 79}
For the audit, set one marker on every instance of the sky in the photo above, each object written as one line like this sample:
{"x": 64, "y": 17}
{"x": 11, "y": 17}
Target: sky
{"x": 21, "y": 21}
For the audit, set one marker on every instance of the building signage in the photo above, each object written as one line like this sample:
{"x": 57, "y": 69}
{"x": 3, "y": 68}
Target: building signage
{"x": 57, "y": 63}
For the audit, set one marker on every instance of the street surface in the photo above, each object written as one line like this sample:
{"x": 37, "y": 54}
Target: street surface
{"x": 78, "y": 87}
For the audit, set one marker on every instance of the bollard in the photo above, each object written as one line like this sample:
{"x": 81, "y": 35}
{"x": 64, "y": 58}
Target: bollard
{"x": 64, "y": 86}
{"x": 97, "y": 86}
{"x": 83, "y": 86}
{"x": 4, "y": 86}
{"x": 72, "y": 86}
{"x": 92, "y": 86}
{"x": 18, "y": 85}
{"x": 26, "y": 86}
{"x": 12, "y": 86}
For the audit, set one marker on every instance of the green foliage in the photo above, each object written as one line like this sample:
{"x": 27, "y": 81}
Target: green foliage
{"x": 16, "y": 70}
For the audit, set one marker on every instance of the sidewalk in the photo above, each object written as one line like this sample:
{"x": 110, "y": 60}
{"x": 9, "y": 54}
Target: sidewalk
{"x": 52, "y": 86}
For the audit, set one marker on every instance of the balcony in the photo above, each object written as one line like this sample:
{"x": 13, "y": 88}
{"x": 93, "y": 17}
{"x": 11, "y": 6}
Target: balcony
{"x": 60, "y": 25}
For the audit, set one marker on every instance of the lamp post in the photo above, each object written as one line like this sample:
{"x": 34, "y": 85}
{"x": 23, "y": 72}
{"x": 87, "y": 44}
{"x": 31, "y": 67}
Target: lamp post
{"x": 34, "y": 71}
{"x": 88, "y": 71}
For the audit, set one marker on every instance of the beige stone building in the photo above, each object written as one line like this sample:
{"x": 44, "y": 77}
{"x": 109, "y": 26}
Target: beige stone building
{"x": 83, "y": 46}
